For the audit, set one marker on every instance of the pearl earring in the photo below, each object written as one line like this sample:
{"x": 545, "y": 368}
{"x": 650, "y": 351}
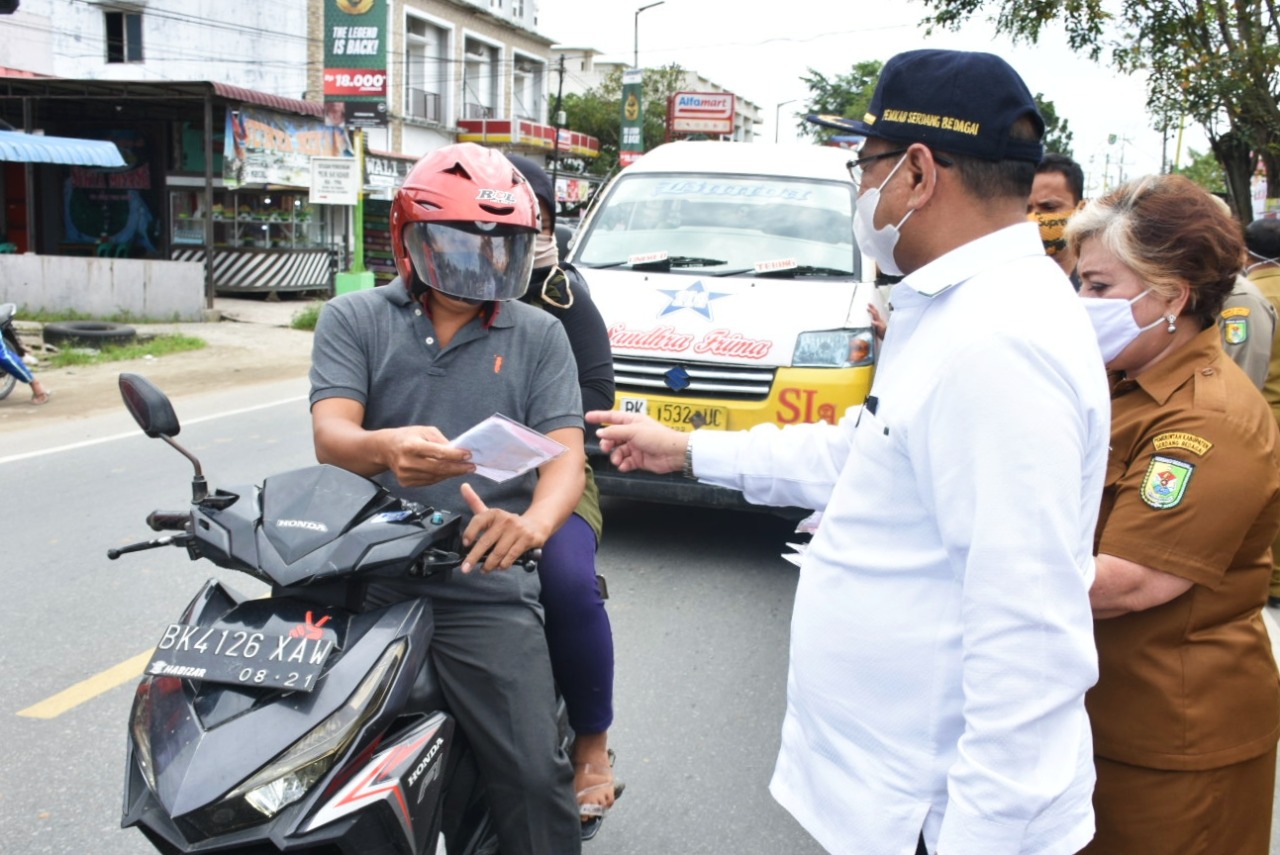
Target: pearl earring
{"x": 1173, "y": 328}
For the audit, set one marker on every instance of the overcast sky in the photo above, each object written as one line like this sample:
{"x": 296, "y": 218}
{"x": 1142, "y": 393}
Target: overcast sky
{"x": 761, "y": 57}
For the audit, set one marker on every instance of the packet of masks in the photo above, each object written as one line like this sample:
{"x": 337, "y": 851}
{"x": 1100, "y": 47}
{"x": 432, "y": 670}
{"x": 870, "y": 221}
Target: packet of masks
{"x": 502, "y": 448}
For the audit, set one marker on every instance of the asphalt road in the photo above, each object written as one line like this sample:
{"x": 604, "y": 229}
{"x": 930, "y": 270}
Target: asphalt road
{"x": 700, "y": 606}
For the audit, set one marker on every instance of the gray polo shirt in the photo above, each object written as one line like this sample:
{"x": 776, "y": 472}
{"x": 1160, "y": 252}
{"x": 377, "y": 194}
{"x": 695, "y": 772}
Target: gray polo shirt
{"x": 378, "y": 347}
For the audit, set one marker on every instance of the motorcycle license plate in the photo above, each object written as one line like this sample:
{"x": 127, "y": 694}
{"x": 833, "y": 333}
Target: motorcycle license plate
{"x": 241, "y": 657}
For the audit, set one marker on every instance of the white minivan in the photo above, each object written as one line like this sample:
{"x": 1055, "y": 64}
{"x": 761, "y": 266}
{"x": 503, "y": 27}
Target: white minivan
{"x": 733, "y": 293}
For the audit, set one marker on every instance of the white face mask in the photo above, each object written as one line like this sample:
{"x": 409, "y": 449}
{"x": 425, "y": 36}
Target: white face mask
{"x": 1261, "y": 261}
{"x": 877, "y": 244}
{"x": 1114, "y": 325}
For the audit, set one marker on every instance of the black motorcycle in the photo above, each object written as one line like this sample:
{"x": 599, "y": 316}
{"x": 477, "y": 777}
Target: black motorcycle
{"x": 309, "y": 720}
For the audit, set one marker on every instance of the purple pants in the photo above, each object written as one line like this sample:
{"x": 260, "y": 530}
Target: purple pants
{"x": 577, "y": 625}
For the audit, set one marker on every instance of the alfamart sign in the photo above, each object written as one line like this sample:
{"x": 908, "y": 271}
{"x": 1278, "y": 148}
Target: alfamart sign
{"x": 702, "y": 112}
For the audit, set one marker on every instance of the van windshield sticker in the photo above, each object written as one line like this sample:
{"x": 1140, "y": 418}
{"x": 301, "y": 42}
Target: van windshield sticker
{"x": 737, "y": 188}
{"x": 776, "y": 264}
{"x": 647, "y": 257}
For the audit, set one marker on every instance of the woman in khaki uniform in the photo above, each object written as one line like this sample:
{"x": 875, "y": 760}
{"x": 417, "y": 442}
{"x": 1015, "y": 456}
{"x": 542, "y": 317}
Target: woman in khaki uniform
{"x": 1186, "y": 711}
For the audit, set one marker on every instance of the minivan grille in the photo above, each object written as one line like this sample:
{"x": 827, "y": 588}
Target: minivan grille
{"x": 740, "y": 382}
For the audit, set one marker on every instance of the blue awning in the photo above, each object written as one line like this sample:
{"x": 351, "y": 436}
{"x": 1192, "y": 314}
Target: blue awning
{"x": 31, "y": 148}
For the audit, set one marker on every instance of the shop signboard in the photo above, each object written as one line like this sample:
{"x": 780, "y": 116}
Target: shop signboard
{"x": 631, "y": 141}
{"x": 335, "y": 181}
{"x": 701, "y": 113}
{"x": 384, "y": 172}
{"x": 355, "y": 62}
{"x": 266, "y": 147}
{"x": 115, "y": 207}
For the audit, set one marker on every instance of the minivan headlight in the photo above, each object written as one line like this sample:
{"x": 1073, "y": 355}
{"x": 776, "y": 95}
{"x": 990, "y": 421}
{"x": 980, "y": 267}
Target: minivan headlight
{"x": 834, "y": 349}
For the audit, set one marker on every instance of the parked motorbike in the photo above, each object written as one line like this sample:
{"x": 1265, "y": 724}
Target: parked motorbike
{"x": 11, "y": 341}
{"x": 309, "y": 720}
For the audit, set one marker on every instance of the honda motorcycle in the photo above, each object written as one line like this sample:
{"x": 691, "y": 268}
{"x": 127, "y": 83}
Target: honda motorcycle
{"x": 309, "y": 720}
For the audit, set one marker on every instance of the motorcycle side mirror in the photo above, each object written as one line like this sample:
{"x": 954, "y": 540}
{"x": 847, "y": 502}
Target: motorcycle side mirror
{"x": 149, "y": 406}
{"x": 154, "y": 413}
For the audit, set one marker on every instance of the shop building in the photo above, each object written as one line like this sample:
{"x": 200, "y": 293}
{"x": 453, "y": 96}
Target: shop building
{"x": 215, "y": 174}
{"x": 218, "y": 110}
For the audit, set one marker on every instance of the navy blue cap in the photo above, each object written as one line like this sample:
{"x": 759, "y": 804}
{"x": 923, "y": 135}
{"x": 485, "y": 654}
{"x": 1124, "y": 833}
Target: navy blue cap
{"x": 538, "y": 180}
{"x": 954, "y": 101}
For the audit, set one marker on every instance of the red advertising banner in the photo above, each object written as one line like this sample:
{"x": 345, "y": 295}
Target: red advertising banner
{"x": 354, "y": 81}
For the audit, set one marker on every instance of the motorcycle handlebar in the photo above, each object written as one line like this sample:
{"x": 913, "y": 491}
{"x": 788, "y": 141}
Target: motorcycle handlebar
{"x": 168, "y": 520}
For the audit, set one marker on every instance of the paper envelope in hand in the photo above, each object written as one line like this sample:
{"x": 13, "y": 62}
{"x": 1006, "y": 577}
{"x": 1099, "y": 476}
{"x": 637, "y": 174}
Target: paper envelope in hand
{"x": 502, "y": 448}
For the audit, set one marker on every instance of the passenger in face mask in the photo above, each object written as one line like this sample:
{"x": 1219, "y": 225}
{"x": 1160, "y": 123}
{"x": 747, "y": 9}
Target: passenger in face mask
{"x": 1186, "y": 709}
{"x": 579, "y": 636}
{"x": 1056, "y": 193}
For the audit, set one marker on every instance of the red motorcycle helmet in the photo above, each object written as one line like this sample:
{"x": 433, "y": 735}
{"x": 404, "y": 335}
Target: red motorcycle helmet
{"x": 464, "y": 223}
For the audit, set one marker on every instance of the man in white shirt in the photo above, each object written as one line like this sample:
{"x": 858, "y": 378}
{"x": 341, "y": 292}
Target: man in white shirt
{"x": 941, "y": 643}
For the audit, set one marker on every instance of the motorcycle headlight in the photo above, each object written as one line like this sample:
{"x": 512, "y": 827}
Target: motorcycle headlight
{"x": 140, "y": 727}
{"x": 851, "y": 348}
{"x": 287, "y": 778}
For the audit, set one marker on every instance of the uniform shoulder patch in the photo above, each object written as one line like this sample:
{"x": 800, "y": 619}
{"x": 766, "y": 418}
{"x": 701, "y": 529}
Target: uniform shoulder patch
{"x": 1235, "y": 330}
{"x": 1236, "y": 312}
{"x": 1165, "y": 483}
{"x": 1197, "y": 445}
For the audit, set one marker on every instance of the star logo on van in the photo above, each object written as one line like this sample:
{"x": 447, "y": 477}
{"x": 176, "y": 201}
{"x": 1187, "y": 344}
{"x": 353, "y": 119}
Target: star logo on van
{"x": 694, "y": 298}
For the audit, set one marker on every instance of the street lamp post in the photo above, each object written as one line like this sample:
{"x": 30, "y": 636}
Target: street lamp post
{"x": 777, "y": 116}
{"x": 635, "y": 34}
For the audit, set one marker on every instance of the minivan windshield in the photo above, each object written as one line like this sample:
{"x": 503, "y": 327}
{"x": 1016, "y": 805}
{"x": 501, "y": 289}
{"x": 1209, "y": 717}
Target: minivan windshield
{"x": 724, "y": 225}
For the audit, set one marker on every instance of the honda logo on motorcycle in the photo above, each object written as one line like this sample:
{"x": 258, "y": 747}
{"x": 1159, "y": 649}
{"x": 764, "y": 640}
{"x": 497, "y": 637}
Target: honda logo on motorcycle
{"x": 310, "y": 525}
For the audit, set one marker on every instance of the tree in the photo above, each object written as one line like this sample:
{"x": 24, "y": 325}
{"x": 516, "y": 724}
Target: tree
{"x": 598, "y": 111}
{"x": 1205, "y": 170}
{"x": 1057, "y": 134}
{"x": 1217, "y": 61}
{"x": 847, "y": 95}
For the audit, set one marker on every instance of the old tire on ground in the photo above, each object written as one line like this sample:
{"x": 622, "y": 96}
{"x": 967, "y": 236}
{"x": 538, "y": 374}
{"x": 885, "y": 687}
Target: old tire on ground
{"x": 88, "y": 333}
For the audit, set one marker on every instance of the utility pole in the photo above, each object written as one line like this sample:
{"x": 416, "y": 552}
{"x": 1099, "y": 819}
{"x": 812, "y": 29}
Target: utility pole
{"x": 635, "y": 37}
{"x": 557, "y": 121}
{"x": 777, "y": 116}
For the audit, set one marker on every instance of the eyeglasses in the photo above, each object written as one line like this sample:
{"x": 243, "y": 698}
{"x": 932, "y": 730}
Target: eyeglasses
{"x": 856, "y": 165}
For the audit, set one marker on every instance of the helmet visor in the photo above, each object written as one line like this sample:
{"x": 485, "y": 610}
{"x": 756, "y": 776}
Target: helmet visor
{"x": 471, "y": 261}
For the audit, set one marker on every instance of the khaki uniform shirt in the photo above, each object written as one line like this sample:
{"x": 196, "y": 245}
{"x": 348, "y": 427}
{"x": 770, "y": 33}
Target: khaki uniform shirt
{"x": 1248, "y": 324}
{"x": 1268, "y": 281}
{"x": 1192, "y": 489}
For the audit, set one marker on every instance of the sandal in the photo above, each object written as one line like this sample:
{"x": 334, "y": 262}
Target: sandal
{"x": 595, "y": 813}
{"x": 43, "y": 399}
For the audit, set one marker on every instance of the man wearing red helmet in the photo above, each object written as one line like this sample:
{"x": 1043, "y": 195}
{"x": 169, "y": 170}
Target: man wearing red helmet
{"x": 399, "y": 370}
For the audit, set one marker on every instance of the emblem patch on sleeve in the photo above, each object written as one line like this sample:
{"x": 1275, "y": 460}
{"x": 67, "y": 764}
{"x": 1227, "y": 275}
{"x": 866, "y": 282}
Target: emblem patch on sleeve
{"x": 1166, "y": 482}
{"x": 1235, "y": 330}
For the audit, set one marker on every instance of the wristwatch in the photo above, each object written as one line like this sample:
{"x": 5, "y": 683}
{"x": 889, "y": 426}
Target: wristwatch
{"x": 688, "y": 461}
